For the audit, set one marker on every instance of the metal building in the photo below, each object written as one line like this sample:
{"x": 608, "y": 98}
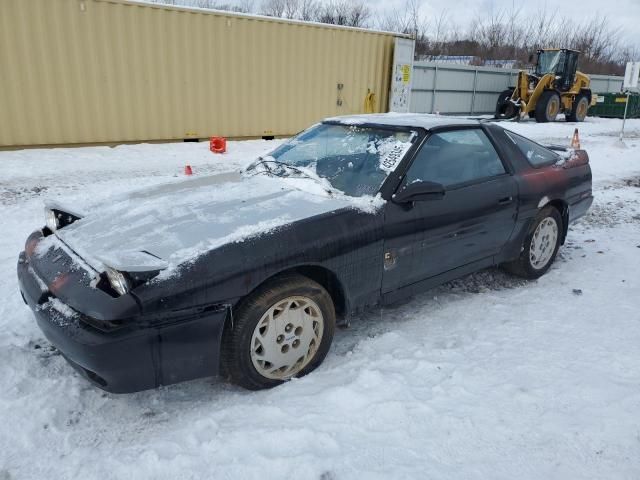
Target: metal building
{"x": 468, "y": 90}
{"x": 90, "y": 71}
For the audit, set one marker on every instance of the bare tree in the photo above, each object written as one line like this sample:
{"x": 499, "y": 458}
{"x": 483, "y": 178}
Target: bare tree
{"x": 273, "y": 8}
{"x": 439, "y": 27}
{"x": 508, "y": 34}
{"x": 408, "y": 20}
{"x": 359, "y": 14}
{"x": 246, "y": 6}
{"x": 202, "y": 3}
{"x": 628, "y": 54}
{"x": 308, "y": 10}
{"x": 353, "y": 13}
{"x": 291, "y": 8}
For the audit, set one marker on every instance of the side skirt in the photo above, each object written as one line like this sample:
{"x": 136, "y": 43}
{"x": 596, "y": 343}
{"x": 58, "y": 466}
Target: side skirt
{"x": 423, "y": 285}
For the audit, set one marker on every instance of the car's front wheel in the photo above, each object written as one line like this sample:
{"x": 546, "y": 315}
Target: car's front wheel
{"x": 540, "y": 245}
{"x": 283, "y": 330}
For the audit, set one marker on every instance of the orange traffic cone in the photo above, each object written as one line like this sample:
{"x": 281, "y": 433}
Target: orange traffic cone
{"x": 575, "y": 141}
{"x": 188, "y": 170}
{"x": 218, "y": 144}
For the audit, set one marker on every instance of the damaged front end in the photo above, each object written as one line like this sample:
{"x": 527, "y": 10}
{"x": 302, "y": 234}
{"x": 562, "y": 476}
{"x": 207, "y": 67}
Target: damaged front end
{"x": 109, "y": 336}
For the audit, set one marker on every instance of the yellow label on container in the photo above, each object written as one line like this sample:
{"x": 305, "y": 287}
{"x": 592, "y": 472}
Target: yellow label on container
{"x": 406, "y": 72}
{"x": 621, "y": 99}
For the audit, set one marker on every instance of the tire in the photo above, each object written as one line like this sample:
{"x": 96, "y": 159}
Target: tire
{"x": 254, "y": 342}
{"x": 579, "y": 108}
{"x": 548, "y": 106}
{"x": 504, "y": 108}
{"x": 525, "y": 266}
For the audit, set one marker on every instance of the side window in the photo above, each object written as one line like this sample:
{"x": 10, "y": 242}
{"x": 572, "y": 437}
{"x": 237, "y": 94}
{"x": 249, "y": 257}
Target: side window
{"x": 536, "y": 154}
{"x": 455, "y": 156}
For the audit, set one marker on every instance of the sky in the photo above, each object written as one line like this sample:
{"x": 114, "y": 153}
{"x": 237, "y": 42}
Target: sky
{"x": 622, "y": 14}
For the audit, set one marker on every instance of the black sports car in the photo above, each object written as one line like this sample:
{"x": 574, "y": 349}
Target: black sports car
{"x": 245, "y": 274}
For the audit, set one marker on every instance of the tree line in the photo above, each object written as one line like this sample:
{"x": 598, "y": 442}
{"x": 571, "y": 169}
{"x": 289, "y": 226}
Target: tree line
{"x": 495, "y": 34}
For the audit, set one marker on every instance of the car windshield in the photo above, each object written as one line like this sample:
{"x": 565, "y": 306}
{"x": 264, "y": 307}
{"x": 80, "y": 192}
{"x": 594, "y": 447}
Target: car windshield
{"x": 548, "y": 62}
{"x": 352, "y": 159}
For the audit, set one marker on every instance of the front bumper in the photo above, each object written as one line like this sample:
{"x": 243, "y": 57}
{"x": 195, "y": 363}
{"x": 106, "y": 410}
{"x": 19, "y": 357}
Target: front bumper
{"x": 139, "y": 355}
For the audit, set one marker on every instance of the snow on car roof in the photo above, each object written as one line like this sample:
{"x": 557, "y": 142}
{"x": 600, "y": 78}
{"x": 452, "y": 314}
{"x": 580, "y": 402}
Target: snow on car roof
{"x": 416, "y": 120}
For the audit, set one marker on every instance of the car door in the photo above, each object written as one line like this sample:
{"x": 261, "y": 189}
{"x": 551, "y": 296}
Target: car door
{"x": 471, "y": 221}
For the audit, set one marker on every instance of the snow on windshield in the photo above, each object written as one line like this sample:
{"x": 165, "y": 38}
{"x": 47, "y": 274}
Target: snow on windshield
{"x": 352, "y": 159}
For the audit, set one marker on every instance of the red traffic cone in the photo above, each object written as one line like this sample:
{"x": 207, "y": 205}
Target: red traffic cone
{"x": 575, "y": 141}
{"x": 188, "y": 170}
{"x": 218, "y": 144}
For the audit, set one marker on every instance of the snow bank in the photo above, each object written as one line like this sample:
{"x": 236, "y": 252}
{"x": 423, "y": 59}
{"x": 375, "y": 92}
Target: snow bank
{"x": 485, "y": 377}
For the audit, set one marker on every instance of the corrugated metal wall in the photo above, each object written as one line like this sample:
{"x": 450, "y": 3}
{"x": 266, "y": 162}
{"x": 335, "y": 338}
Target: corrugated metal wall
{"x": 606, "y": 83}
{"x": 463, "y": 89}
{"x": 88, "y": 71}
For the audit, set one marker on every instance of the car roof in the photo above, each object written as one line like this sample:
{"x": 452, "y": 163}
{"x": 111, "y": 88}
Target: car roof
{"x": 415, "y": 120}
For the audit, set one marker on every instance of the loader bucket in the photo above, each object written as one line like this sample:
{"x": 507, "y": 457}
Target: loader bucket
{"x": 507, "y": 109}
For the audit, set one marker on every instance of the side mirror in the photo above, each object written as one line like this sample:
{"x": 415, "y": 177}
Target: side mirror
{"x": 419, "y": 191}
{"x": 531, "y": 58}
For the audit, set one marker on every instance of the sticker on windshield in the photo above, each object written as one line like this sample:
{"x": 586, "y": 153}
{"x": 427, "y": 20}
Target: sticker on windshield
{"x": 391, "y": 152}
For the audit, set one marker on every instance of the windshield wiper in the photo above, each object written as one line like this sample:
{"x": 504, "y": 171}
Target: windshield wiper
{"x": 266, "y": 161}
{"x": 260, "y": 161}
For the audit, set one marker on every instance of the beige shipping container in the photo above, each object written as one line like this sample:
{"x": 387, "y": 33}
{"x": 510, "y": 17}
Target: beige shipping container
{"x": 93, "y": 71}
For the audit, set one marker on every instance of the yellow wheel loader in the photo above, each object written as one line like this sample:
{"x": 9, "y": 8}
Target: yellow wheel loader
{"x": 555, "y": 86}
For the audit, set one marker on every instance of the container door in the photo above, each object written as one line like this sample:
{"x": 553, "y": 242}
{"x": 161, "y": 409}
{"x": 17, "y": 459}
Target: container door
{"x": 400, "y": 95}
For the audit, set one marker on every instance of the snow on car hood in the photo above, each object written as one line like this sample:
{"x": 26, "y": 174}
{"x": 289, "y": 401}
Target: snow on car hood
{"x": 179, "y": 221}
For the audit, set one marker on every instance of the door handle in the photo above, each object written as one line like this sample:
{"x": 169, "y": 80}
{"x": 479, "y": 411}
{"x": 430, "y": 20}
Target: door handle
{"x": 505, "y": 201}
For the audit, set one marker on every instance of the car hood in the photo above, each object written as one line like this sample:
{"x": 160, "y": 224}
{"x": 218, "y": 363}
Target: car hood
{"x": 164, "y": 226}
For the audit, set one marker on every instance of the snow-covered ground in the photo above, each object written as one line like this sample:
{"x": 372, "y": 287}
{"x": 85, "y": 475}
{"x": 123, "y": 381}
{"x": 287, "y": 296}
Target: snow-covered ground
{"x": 487, "y": 377}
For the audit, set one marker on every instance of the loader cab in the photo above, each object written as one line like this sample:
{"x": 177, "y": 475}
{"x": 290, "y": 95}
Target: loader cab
{"x": 562, "y": 62}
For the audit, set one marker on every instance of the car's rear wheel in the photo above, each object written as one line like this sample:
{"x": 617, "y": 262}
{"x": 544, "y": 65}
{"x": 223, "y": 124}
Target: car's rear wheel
{"x": 540, "y": 245}
{"x": 281, "y": 331}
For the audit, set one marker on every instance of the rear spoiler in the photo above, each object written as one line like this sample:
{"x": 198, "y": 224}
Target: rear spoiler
{"x": 569, "y": 157}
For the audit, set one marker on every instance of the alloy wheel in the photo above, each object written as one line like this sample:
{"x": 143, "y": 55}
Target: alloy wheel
{"x": 287, "y": 337}
{"x": 543, "y": 243}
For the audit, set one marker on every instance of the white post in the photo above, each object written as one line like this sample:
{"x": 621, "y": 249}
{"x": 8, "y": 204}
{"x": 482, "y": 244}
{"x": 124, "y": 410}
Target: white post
{"x": 624, "y": 118}
{"x": 630, "y": 83}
